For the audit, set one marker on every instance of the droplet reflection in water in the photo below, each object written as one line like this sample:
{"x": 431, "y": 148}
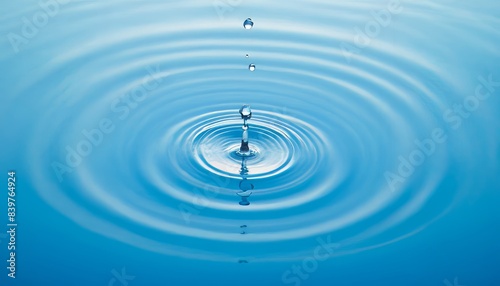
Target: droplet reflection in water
{"x": 244, "y": 197}
{"x": 243, "y": 227}
{"x": 251, "y": 67}
{"x": 248, "y": 24}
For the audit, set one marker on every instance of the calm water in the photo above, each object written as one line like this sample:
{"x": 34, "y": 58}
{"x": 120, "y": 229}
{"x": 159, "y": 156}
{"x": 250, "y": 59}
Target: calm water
{"x": 375, "y": 128}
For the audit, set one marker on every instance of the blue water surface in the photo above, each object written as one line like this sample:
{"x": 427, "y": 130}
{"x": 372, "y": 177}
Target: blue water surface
{"x": 374, "y": 131}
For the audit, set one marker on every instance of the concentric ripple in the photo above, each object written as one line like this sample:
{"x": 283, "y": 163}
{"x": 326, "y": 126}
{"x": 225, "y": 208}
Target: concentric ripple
{"x": 164, "y": 94}
{"x": 278, "y": 141}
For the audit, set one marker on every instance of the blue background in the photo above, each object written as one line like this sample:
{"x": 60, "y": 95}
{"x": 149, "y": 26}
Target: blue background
{"x": 121, "y": 121}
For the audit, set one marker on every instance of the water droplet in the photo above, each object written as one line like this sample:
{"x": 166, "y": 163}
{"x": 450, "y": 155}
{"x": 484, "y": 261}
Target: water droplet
{"x": 248, "y": 24}
{"x": 246, "y": 112}
{"x": 251, "y": 67}
{"x": 246, "y": 56}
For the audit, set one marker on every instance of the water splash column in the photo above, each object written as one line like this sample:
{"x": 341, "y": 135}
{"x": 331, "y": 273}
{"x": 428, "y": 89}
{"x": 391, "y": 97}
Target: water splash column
{"x": 246, "y": 114}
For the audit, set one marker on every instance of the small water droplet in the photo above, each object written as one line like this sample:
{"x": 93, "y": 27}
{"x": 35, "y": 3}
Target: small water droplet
{"x": 248, "y": 24}
{"x": 251, "y": 67}
{"x": 246, "y": 56}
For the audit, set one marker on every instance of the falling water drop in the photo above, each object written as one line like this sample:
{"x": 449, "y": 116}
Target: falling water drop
{"x": 251, "y": 67}
{"x": 248, "y": 24}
